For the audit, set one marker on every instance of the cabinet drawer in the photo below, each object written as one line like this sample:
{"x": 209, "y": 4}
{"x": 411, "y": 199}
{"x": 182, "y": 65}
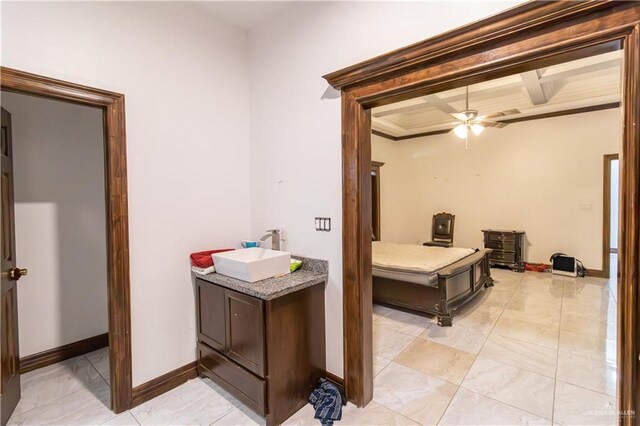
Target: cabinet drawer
{"x": 503, "y": 257}
{"x": 241, "y": 383}
{"x": 504, "y": 245}
{"x": 502, "y": 237}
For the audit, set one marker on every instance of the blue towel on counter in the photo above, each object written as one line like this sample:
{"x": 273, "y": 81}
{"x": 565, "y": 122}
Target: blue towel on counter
{"x": 327, "y": 401}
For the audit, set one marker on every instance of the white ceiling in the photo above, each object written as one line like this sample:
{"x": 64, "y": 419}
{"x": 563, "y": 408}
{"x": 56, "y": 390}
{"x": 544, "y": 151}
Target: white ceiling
{"x": 582, "y": 83}
{"x": 244, "y": 14}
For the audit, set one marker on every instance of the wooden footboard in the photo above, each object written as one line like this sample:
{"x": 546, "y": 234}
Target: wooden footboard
{"x": 457, "y": 284}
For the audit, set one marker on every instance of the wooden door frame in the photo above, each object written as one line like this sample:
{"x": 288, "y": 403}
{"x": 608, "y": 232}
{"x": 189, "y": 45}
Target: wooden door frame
{"x": 376, "y": 224}
{"x": 116, "y": 213}
{"x": 606, "y": 213}
{"x": 517, "y": 40}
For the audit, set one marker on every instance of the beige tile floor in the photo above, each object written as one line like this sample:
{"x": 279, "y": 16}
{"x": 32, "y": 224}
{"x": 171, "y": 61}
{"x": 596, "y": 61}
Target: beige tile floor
{"x": 533, "y": 349}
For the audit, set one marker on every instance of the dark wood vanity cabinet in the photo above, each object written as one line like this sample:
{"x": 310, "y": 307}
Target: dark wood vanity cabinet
{"x": 267, "y": 353}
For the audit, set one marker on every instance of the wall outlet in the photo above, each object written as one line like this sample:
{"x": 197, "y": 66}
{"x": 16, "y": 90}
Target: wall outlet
{"x": 323, "y": 224}
{"x": 586, "y": 206}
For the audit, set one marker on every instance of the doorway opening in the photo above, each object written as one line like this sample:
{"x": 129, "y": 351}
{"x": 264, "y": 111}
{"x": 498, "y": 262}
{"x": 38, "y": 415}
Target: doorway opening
{"x": 611, "y": 200}
{"x": 532, "y": 36}
{"x": 60, "y": 238}
{"x": 520, "y": 185}
{"x": 111, "y": 106}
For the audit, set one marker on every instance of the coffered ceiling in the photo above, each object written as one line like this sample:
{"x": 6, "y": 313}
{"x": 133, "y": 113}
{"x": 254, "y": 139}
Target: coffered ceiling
{"x": 572, "y": 86}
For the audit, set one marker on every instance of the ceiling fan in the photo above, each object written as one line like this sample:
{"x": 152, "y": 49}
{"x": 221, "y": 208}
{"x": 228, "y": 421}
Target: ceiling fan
{"x": 470, "y": 120}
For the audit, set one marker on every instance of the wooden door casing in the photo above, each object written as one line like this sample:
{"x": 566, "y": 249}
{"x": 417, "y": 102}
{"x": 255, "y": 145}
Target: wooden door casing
{"x": 530, "y": 36}
{"x": 113, "y": 105}
{"x": 10, "y": 357}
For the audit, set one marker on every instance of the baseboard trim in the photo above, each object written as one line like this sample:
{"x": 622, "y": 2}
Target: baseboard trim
{"x": 164, "y": 383}
{"x": 70, "y": 350}
{"x": 338, "y": 381}
{"x": 599, "y": 273}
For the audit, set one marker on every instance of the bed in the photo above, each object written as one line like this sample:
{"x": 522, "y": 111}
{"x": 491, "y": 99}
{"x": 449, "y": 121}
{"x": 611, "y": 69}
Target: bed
{"x": 434, "y": 280}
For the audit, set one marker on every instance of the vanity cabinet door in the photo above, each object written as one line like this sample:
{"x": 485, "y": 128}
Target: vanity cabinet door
{"x": 245, "y": 331}
{"x": 211, "y": 317}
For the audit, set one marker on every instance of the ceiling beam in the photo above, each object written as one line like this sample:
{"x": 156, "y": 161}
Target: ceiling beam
{"x": 383, "y": 135}
{"x": 399, "y": 110}
{"x": 442, "y": 105}
{"x": 580, "y": 110}
{"x": 598, "y": 66}
{"x": 561, "y": 113}
{"x": 506, "y": 88}
{"x": 496, "y": 90}
{"x": 531, "y": 80}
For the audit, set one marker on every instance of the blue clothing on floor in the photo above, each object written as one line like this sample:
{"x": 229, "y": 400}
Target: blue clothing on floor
{"x": 327, "y": 401}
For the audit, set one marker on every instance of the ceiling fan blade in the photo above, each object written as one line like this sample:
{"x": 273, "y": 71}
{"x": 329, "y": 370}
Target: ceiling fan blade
{"x": 496, "y": 124}
{"x": 459, "y": 116}
{"x": 502, "y": 113}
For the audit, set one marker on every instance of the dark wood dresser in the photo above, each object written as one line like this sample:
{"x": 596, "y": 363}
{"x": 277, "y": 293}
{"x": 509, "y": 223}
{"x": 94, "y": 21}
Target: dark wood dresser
{"x": 508, "y": 248}
{"x": 267, "y": 350}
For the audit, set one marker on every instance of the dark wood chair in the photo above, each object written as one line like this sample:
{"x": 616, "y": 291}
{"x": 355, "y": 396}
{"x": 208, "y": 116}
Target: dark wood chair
{"x": 441, "y": 230}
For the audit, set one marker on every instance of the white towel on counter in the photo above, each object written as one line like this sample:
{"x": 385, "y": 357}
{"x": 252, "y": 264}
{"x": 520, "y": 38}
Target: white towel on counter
{"x": 204, "y": 271}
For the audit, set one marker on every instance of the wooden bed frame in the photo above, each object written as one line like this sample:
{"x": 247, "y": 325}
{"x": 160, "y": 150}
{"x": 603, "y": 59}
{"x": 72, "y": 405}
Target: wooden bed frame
{"x": 458, "y": 283}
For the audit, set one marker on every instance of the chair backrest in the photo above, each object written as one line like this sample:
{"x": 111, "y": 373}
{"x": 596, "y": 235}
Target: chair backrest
{"x": 442, "y": 227}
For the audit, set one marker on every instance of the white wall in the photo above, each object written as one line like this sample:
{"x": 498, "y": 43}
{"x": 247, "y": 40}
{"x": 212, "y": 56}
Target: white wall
{"x": 185, "y": 77}
{"x": 295, "y": 135}
{"x": 542, "y": 176}
{"x": 187, "y": 101}
{"x": 58, "y": 161}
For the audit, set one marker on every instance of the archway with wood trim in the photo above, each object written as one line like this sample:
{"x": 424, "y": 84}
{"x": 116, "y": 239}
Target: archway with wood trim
{"x": 530, "y": 36}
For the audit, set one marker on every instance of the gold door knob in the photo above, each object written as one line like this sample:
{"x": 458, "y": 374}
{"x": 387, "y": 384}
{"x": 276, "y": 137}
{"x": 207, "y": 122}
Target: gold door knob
{"x": 15, "y": 274}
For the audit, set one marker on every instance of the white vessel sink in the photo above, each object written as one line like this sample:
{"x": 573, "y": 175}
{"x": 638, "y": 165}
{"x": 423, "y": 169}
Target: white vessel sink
{"x": 252, "y": 264}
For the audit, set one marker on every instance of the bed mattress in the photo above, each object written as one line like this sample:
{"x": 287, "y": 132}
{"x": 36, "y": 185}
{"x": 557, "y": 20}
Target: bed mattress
{"x": 413, "y": 263}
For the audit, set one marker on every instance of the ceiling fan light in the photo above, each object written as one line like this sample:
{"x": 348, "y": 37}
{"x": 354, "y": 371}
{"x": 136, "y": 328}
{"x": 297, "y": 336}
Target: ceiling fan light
{"x": 477, "y": 129}
{"x": 461, "y": 131}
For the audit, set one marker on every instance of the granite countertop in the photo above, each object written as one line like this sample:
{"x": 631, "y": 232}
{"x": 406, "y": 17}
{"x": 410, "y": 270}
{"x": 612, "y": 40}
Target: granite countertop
{"x": 312, "y": 272}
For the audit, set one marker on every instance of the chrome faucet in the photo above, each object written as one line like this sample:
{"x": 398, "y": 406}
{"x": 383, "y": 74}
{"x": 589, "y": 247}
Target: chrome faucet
{"x": 274, "y": 234}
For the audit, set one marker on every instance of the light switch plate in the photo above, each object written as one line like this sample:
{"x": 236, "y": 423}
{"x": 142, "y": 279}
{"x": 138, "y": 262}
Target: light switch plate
{"x": 323, "y": 224}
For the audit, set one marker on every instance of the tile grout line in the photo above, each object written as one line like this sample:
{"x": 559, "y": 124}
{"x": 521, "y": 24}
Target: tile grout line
{"x": 503, "y": 308}
{"x": 476, "y": 357}
{"x": 502, "y": 402}
{"x": 108, "y": 385}
{"x": 393, "y": 360}
{"x": 578, "y": 354}
{"x": 233, "y": 408}
{"x": 555, "y": 379}
{"x": 489, "y": 397}
{"x": 388, "y": 364}
{"x": 99, "y": 375}
{"x": 87, "y": 386}
{"x": 134, "y": 417}
{"x": 587, "y": 389}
